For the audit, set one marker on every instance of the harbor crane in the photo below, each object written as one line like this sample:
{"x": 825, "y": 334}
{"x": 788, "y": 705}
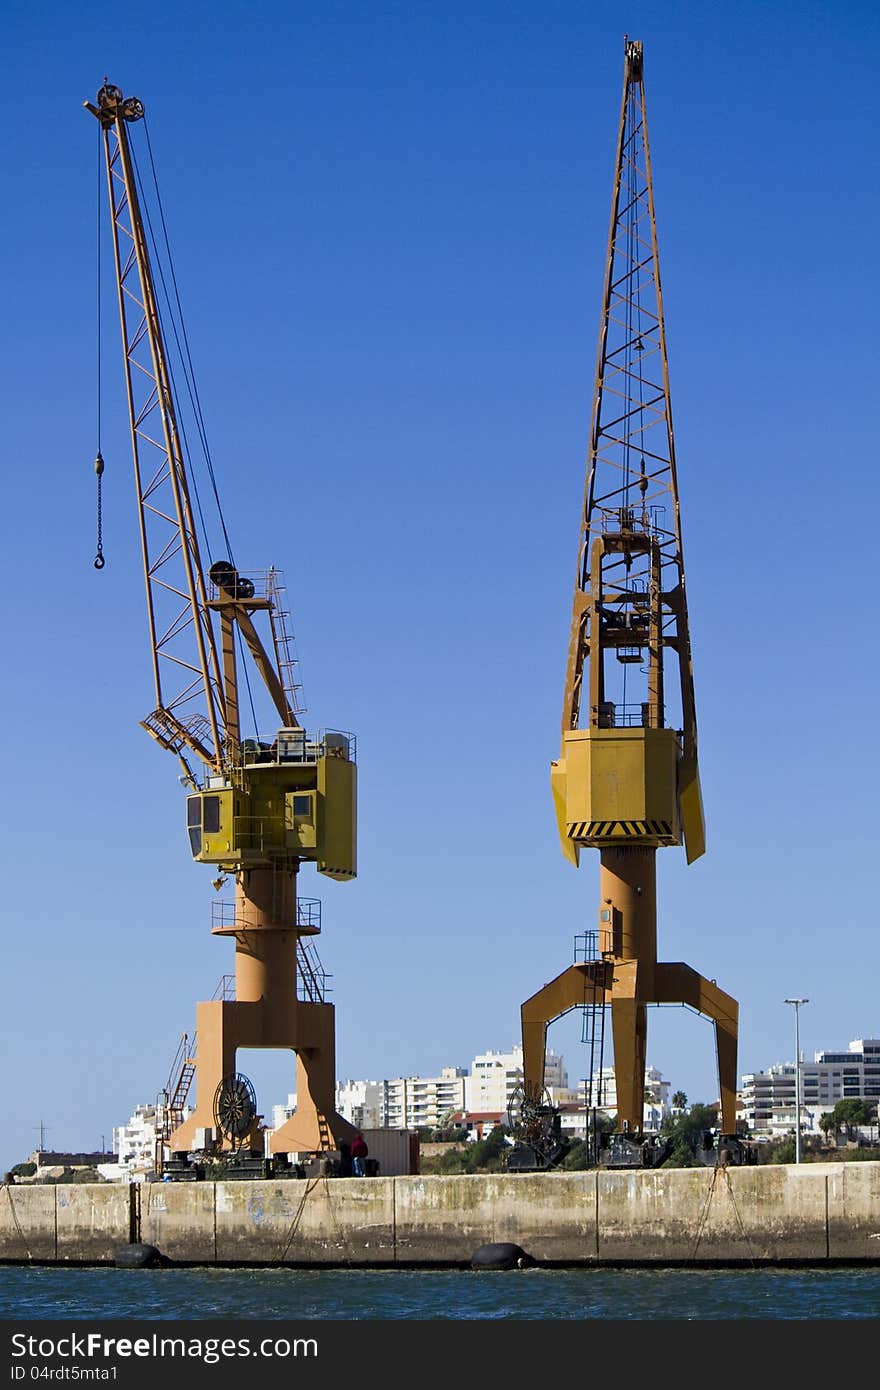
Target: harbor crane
{"x": 257, "y": 808}
{"x": 626, "y": 782}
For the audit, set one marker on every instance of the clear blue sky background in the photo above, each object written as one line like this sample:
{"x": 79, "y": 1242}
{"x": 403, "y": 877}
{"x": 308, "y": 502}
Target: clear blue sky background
{"x": 389, "y": 225}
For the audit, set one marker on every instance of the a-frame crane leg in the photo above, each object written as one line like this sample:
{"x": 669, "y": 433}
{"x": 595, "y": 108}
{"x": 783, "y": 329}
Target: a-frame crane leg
{"x": 629, "y": 1030}
{"x": 616, "y": 983}
{"x": 629, "y": 977}
{"x": 581, "y": 984}
{"x": 676, "y": 983}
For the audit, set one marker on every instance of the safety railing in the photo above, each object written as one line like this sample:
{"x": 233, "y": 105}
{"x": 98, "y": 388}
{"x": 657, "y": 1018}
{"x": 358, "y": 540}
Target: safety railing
{"x": 629, "y": 716}
{"x": 224, "y": 915}
{"x": 586, "y": 947}
{"x": 296, "y": 746}
{"x": 311, "y": 977}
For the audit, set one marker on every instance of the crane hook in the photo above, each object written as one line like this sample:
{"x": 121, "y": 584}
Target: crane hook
{"x": 99, "y": 558}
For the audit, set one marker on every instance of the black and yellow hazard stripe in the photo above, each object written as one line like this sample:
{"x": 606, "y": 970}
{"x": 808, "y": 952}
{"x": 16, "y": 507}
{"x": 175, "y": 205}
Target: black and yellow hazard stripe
{"x": 620, "y": 830}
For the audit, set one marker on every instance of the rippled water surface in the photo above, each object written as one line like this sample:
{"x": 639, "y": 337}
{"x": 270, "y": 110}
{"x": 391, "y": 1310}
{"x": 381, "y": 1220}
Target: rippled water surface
{"x": 44, "y": 1293}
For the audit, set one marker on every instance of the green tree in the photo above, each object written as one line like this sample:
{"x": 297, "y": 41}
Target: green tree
{"x": 454, "y": 1134}
{"x": 580, "y": 1155}
{"x": 679, "y": 1101}
{"x": 849, "y": 1114}
{"x": 827, "y": 1124}
{"x": 685, "y": 1132}
{"x": 485, "y": 1153}
{"x": 785, "y": 1151}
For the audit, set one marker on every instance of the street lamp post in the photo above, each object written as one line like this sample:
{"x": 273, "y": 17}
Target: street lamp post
{"x": 797, "y": 1075}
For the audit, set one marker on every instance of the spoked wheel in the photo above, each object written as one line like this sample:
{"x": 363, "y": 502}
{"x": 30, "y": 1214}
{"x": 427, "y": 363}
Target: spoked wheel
{"x": 533, "y": 1122}
{"x": 235, "y": 1107}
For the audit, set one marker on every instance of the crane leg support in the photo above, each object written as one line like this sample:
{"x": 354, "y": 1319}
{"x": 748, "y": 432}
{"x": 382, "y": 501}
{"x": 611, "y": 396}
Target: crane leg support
{"x": 629, "y": 1027}
{"x": 315, "y": 1127}
{"x": 585, "y": 983}
{"x": 216, "y": 1059}
{"x": 309, "y": 1031}
{"x": 676, "y": 983}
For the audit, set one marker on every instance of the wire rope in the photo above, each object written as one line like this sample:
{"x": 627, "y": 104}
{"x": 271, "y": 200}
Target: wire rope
{"x": 181, "y": 424}
{"x": 191, "y": 382}
{"x": 99, "y": 560}
{"x": 185, "y": 357}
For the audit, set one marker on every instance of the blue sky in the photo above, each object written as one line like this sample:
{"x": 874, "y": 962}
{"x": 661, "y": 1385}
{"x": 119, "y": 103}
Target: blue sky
{"x": 389, "y": 226}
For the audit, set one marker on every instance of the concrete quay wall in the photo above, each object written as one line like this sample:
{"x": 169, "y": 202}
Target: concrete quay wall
{"x": 811, "y": 1213}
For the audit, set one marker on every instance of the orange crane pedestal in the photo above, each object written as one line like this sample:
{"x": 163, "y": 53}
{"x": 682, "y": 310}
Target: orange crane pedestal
{"x": 277, "y": 1005}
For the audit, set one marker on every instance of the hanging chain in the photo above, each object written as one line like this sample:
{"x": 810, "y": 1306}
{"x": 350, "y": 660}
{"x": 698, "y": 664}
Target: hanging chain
{"x": 99, "y": 557}
{"x": 99, "y": 461}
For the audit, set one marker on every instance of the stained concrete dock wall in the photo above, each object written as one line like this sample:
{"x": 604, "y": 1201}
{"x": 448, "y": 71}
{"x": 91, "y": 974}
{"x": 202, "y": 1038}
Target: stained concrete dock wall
{"x": 811, "y": 1213}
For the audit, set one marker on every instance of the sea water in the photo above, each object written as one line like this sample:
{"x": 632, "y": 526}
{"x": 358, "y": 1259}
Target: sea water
{"x": 42, "y": 1292}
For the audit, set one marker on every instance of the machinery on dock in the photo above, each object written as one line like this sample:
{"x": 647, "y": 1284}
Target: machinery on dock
{"x": 626, "y": 782}
{"x": 260, "y": 806}
{"x": 535, "y": 1121}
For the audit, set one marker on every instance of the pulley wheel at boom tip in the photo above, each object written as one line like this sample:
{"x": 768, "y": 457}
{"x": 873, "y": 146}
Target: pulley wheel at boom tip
{"x": 227, "y": 577}
{"x": 235, "y": 1106}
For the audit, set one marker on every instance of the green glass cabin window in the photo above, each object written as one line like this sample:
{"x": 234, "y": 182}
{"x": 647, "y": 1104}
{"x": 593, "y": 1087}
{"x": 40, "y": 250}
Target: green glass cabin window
{"x": 194, "y": 822}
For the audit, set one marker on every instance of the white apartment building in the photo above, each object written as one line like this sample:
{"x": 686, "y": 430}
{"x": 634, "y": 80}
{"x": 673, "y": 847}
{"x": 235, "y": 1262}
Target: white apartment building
{"x": 134, "y": 1143}
{"x": 572, "y": 1103}
{"x": 494, "y": 1076}
{"x": 419, "y": 1102}
{"x": 406, "y": 1102}
{"x": 768, "y": 1097}
{"x": 479, "y": 1096}
{"x": 359, "y": 1102}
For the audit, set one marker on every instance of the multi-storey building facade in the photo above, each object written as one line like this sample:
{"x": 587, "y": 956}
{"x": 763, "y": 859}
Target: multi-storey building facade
{"x": 479, "y": 1096}
{"x": 134, "y": 1143}
{"x": 494, "y": 1077}
{"x": 768, "y": 1097}
{"x": 423, "y": 1102}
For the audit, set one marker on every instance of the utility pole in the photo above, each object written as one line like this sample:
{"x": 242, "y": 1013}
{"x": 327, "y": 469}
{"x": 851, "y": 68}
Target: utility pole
{"x": 797, "y": 1075}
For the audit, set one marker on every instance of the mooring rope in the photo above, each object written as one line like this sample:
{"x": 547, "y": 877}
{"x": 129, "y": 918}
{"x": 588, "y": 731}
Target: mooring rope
{"x": 21, "y": 1234}
{"x": 701, "y": 1224}
{"x": 339, "y": 1230}
{"x": 704, "y": 1213}
{"x": 742, "y": 1228}
{"x": 311, "y": 1184}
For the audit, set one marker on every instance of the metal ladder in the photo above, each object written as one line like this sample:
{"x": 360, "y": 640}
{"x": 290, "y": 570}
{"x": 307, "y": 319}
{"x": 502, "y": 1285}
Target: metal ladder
{"x": 172, "y": 1097}
{"x": 282, "y": 639}
{"x": 586, "y": 948}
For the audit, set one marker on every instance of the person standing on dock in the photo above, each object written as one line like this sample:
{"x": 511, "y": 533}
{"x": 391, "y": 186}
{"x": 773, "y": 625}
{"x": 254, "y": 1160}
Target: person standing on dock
{"x": 359, "y": 1152}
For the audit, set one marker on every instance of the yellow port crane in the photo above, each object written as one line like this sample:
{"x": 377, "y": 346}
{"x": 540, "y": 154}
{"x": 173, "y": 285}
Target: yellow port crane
{"x": 257, "y": 809}
{"x": 626, "y": 781}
